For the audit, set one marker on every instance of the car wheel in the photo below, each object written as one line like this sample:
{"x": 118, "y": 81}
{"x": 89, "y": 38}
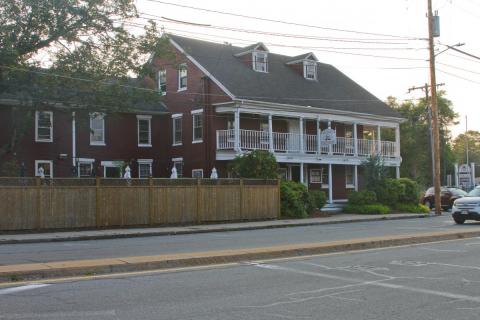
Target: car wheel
{"x": 459, "y": 220}
{"x": 428, "y": 204}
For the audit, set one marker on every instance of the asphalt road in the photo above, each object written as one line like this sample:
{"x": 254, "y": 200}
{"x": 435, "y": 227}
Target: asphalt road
{"x": 96, "y": 249}
{"x": 430, "y": 281}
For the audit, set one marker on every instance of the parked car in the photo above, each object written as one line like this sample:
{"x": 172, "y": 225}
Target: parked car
{"x": 448, "y": 196}
{"x": 467, "y": 208}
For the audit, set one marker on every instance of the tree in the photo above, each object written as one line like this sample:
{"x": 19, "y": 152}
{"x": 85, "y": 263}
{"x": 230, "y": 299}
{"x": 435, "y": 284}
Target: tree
{"x": 257, "y": 164}
{"x": 77, "y": 53}
{"x": 415, "y": 138}
{"x": 460, "y": 147}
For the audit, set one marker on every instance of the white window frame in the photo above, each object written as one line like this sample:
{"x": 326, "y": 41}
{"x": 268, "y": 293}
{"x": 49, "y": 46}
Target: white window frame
{"x": 174, "y": 118}
{"x": 197, "y": 170}
{"x": 111, "y": 164}
{"x": 149, "y": 119}
{"x": 86, "y": 161}
{"x": 350, "y": 185}
{"x": 181, "y": 68}
{"x": 39, "y": 162}
{"x": 148, "y": 162}
{"x": 255, "y": 55}
{"x": 162, "y": 74}
{"x": 315, "y": 181}
{"x": 37, "y": 139}
{"x": 305, "y": 65}
{"x": 97, "y": 116}
{"x": 177, "y": 161}
{"x": 197, "y": 113}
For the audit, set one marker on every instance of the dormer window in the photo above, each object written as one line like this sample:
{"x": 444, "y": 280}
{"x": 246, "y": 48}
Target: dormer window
{"x": 310, "y": 70}
{"x": 260, "y": 61}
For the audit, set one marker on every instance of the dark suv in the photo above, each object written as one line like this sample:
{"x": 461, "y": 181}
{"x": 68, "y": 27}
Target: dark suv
{"x": 448, "y": 196}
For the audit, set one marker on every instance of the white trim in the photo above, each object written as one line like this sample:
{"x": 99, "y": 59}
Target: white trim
{"x": 199, "y": 66}
{"x": 196, "y": 111}
{"x": 142, "y": 162}
{"x": 177, "y": 159}
{"x": 145, "y": 161}
{"x": 85, "y": 160}
{"x": 50, "y": 162}
{"x": 182, "y": 67}
{"x": 159, "y": 85}
{"x": 197, "y": 170}
{"x": 305, "y": 63}
{"x": 111, "y": 164}
{"x": 254, "y": 60}
{"x": 310, "y": 174}
{"x": 307, "y": 58}
{"x": 97, "y": 116}
{"x": 37, "y": 139}
{"x": 177, "y": 115}
{"x": 174, "y": 142}
{"x": 149, "y": 119}
{"x": 252, "y": 49}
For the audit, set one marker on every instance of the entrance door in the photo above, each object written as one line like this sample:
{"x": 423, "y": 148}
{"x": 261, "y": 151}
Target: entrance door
{"x": 113, "y": 172}
{"x": 295, "y": 173}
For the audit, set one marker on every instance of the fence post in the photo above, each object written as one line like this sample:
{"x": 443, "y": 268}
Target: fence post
{"x": 151, "y": 210}
{"x": 198, "y": 218}
{"x": 279, "y": 214}
{"x": 38, "y": 184}
{"x": 97, "y": 202}
{"x": 241, "y": 199}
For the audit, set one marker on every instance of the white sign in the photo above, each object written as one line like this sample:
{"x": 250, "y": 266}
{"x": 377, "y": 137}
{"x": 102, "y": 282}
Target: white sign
{"x": 328, "y": 136}
{"x": 465, "y": 175}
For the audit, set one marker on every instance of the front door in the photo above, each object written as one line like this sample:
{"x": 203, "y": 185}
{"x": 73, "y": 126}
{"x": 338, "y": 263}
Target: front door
{"x": 295, "y": 173}
{"x": 112, "y": 172}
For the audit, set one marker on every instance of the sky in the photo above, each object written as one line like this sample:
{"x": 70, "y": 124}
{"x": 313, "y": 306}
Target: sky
{"x": 378, "y": 43}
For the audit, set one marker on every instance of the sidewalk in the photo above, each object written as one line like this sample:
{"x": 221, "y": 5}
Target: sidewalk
{"x": 12, "y": 238}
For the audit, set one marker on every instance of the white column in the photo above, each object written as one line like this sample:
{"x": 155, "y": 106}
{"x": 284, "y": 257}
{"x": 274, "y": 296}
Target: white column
{"x": 74, "y": 141}
{"x": 397, "y": 171}
{"x": 397, "y": 141}
{"x": 319, "y": 143}
{"x": 330, "y": 184}
{"x": 330, "y": 146}
{"x": 302, "y": 149}
{"x": 379, "y": 140}
{"x": 270, "y": 133}
{"x": 302, "y": 180}
{"x": 237, "y": 130}
{"x": 355, "y": 176}
{"x": 473, "y": 173}
{"x": 456, "y": 174}
{"x": 355, "y": 141}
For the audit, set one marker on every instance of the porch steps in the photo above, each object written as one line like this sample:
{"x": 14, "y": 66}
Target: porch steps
{"x": 333, "y": 207}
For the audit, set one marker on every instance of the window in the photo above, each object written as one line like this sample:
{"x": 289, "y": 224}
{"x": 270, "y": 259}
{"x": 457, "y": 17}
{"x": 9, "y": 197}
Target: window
{"x": 197, "y": 121}
{"x": 310, "y": 70}
{"x": 112, "y": 169}
{"x": 282, "y": 173}
{"x": 144, "y": 168}
{"x": 44, "y": 126}
{"x": 97, "y": 129}
{"x": 260, "y": 61}
{"x": 177, "y": 129}
{"x": 178, "y": 164}
{"x": 349, "y": 178}
{"x": 144, "y": 131}
{"x": 182, "y": 77}
{"x": 162, "y": 81}
{"x": 316, "y": 175}
{"x": 85, "y": 167}
{"x": 44, "y": 168}
{"x": 197, "y": 173}
{"x": 325, "y": 178}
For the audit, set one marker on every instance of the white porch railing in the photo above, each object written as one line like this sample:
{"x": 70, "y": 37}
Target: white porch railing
{"x": 291, "y": 143}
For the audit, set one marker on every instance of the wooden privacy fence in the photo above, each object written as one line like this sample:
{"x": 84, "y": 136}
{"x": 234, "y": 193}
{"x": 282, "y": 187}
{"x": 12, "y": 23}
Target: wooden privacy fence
{"x": 36, "y": 204}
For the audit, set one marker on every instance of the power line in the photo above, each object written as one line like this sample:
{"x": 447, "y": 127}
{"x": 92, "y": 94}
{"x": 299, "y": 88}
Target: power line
{"x": 455, "y": 67}
{"x": 282, "y": 22}
{"x": 457, "y": 76}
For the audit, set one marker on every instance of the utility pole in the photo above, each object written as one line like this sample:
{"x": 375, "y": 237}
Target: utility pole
{"x": 429, "y": 117}
{"x": 433, "y": 87}
{"x": 466, "y": 138}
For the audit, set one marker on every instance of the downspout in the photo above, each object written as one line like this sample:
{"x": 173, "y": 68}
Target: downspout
{"x": 74, "y": 144}
{"x": 207, "y": 126}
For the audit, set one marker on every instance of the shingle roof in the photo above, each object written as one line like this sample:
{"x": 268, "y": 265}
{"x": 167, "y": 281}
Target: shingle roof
{"x": 332, "y": 90}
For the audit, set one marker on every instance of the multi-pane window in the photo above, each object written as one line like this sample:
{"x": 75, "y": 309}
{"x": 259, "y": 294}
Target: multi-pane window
{"x": 177, "y": 129}
{"x": 197, "y": 122}
{"x": 44, "y": 126}
{"x": 260, "y": 61}
{"x": 97, "y": 129}
{"x": 178, "y": 164}
{"x": 197, "y": 173}
{"x": 310, "y": 70}
{"x": 182, "y": 77}
{"x": 85, "y": 169}
{"x": 316, "y": 175}
{"x": 349, "y": 177}
{"x": 162, "y": 81}
{"x": 144, "y": 131}
{"x": 44, "y": 168}
{"x": 144, "y": 168}
{"x": 324, "y": 178}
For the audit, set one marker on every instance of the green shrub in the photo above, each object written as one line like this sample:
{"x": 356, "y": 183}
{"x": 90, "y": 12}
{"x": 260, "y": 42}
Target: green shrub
{"x": 367, "y": 209}
{"x": 295, "y": 200}
{"x": 389, "y": 192}
{"x": 318, "y": 198}
{"x": 257, "y": 164}
{"x": 411, "y": 191}
{"x": 412, "y": 208}
{"x": 362, "y": 198}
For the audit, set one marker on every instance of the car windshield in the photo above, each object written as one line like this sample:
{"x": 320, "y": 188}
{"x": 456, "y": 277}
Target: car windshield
{"x": 474, "y": 193}
{"x": 457, "y": 192}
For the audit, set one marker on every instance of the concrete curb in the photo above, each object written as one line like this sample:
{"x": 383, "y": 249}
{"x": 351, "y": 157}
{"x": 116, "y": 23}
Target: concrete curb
{"x": 132, "y": 233}
{"x": 12, "y": 273}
